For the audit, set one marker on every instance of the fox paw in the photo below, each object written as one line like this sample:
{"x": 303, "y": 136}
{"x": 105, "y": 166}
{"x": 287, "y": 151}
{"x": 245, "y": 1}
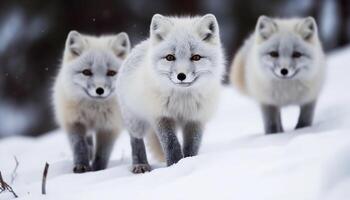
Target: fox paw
{"x": 140, "y": 168}
{"x": 80, "y": 168}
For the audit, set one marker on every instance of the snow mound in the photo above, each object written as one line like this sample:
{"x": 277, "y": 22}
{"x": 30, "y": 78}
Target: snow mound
{"x": 236, "y": 161}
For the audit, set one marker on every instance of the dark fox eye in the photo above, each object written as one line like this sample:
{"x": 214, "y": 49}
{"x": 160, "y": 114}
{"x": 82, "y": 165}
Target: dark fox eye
{"x": 87, "y": 72}
{"x": 170, "y": 57}
{"x": 274, "y": 54}
{"x": 111, "y": 73}
{"x": 196, "y": 57}
{"x": 296, "y": 54}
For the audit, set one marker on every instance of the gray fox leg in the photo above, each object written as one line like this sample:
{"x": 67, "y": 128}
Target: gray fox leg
{"x": 306, "y": 115}
{"x": 272, "y": 119}
{"x": 166, "y": 132}
{"x": 192, "y": 135}
{"x": 139, "y": 156}
{"x": 78, "y": 140}
{"x": 104, "y": 145}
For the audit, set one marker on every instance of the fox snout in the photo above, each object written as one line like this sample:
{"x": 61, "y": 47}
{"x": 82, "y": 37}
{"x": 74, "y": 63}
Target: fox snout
{"x": 99, "y": 92}
{"x": 181, "y": 76}
{"x": 285, "y": 72}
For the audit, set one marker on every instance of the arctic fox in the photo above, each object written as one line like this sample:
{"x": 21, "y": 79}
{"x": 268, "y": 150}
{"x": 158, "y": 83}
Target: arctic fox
{"x": 281, "y": 64}
{"x": 171, "y": 80}
{"x": 84, "y": 96}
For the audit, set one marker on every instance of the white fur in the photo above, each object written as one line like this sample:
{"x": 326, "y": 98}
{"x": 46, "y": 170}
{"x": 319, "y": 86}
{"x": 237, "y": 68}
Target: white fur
{"x": 257, "y": 81}
{"x": 146, "y": 93}
{"x": 71, "y": 103}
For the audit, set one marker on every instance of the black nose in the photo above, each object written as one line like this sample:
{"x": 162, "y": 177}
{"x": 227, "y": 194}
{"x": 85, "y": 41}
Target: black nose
{"x": 100, "y": 91}
{"x": 284, "y": 71}
{"x": 181, "y": 76}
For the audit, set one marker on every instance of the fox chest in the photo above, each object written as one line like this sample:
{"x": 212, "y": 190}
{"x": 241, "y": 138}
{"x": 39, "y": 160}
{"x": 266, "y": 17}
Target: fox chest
{"x": 97, "y": 115}
{"x": 198, "y": 104}
{"x": 288, "y": 92}
{"x": 186, "y": 106}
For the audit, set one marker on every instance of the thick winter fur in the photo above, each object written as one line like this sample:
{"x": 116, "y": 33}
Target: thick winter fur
{"x": 282, "y": 63}
{"x": 155, "y": 99}
{"x": 84, "y": 96}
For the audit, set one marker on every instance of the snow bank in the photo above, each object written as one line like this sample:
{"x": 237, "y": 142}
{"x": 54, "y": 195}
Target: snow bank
{"x": 236, "y": 161}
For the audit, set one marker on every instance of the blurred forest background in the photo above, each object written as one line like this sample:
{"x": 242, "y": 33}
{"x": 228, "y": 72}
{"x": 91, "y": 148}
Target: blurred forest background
{"x": 32, "y": 36}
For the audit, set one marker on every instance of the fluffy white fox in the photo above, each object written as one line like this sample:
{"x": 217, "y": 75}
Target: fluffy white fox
{"x": 84, "y": 96}
{"x": 281, "y": 64}
{"x": 171, "y": 80}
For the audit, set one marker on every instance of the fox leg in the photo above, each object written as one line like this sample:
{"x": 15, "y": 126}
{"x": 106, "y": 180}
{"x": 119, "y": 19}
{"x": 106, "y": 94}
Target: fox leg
{"x": 306, "y": 115}
{"x": 90, "y": 141}
{"x": 137, "y": 129}
{"x": 192, "y": 136}
{"x": 139, "y": 156}
{"x": 105, "y": 140}
{"x": 166, "y": 132}
{"x": 272, "y": 119}
{"x": 78, "y": 140}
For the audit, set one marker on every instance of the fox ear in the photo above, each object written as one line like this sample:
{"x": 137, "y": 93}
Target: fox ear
{"x": 75, "y": 43}
{"x": 307, "y": 28}
{"x": 160, "y": 27}
{"x": 266, "y": 26}
{"x": 208, "y": 28}
{"x": 121, "y": 45}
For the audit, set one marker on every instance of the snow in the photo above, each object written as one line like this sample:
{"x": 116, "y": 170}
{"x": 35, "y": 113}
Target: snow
{"x": 236, "y": 161}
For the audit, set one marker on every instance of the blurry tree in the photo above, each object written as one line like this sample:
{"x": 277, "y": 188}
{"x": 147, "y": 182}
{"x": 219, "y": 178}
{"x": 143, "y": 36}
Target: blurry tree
{"x": 344, "y": 22}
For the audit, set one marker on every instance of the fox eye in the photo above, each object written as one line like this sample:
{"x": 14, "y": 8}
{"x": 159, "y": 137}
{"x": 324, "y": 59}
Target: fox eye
{"x": 170, "y": 57}
{"x": 274, "y": 54}
{"x": 111, "y": 73}
{"x": 296, "y": 54}
{"x": 87, "y": 72}
{"x": 196, "y": 57}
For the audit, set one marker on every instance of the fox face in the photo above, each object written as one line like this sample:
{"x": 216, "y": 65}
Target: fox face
{"x": 185, "y": 52}
{"x": 94, "y": 63}
{"x": 286, "y": 52}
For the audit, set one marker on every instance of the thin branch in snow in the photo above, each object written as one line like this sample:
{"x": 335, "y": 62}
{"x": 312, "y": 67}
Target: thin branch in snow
{"x": 5, "y": 187}
{"x": 14, "y": 173}
{"x": 2, "y": 184}
{"x": 43, "y": 185}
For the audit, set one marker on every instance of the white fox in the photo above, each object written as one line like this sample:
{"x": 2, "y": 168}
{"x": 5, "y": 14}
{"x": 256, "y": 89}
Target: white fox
{"x": 281, "y": 64}
{"x": 171, "y": 80}
{"x": 84, "y": 96}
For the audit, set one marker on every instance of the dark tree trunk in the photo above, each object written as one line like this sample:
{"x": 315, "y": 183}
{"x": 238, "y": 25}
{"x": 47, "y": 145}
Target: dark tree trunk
{"x": 344, "y": 14}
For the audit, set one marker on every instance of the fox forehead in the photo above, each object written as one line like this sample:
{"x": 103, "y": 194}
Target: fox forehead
{"x": 180, "y": 47}
{"x": 183, "y": 31}
{"x": 183, "y": 46}
{"x": 285, "y": 42}
{"x": 287, "y": 25}
{"x": 184, "y": 23}
{"x": 98, "y": 43}
{"x": 100, "y": 58}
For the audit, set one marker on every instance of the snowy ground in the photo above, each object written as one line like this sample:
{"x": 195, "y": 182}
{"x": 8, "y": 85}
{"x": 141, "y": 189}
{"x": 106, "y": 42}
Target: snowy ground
{"x": 237, "y": 161}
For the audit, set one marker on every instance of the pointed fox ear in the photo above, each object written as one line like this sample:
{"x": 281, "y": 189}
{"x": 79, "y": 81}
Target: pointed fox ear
{"x": 75, "y": 43}
{"x": 208, "y": 28}
{"x": 121, "y": 45}
{"x": 160, "y": 27}
{"x": 307, "y": 28}
{"x": 266, "y": 26}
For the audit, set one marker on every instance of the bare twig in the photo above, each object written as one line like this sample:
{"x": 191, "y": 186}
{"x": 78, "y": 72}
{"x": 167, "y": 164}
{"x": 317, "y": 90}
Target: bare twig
{"x": 2, "y": 184}
{"x": 5, "y": 187}
{"x": 14, "y": 173}
{"x": 43, "y": 185}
